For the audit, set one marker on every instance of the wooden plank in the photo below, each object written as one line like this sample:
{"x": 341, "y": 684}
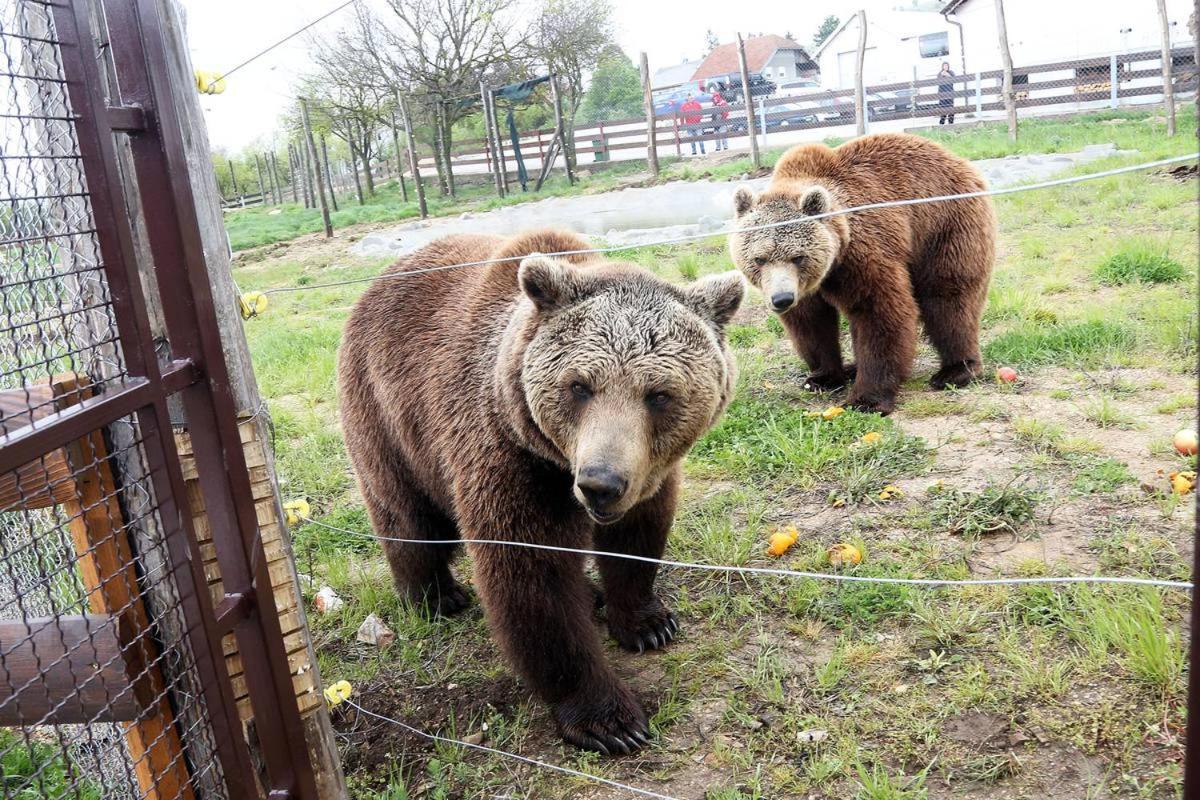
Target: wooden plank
{"x": 41, "y": 483}
{"x": 107, "y": 568}
{"x": 42, "y": 661}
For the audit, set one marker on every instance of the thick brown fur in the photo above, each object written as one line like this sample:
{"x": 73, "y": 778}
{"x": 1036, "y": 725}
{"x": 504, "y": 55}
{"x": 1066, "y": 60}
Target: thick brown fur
{"x": 539, "y": 400}
{"x": 883, "y": 269}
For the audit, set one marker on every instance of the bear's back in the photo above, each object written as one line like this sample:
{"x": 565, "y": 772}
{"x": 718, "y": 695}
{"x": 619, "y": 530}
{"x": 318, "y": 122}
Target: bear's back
{"x": 878, "y": 168}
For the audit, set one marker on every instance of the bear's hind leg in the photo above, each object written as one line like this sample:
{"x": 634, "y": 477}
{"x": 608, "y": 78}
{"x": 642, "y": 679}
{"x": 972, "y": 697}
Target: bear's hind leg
{"x": 952, "y": 325}
{"x": 812, "y": 325}
{"x": 637, "y": 618}
{"x": 399, "y": 510}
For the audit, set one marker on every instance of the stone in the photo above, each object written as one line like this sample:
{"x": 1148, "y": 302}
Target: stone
{"x": 374, "y": 631}
{"x": 327, "y": 601}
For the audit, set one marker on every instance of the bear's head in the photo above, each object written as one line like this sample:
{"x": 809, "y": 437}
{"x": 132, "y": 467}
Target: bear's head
{"x": 789, "y": 260}
{"x": 613, "y": 373}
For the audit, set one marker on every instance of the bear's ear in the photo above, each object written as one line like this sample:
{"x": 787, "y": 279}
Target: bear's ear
{"x": 743, "y": 200}
{"x": 545, "y": 281}
{"x": 717, "y": 297}
{"x": 815, "y": 201}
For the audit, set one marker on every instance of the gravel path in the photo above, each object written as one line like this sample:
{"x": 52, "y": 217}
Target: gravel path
{"x": 680, "y": 208}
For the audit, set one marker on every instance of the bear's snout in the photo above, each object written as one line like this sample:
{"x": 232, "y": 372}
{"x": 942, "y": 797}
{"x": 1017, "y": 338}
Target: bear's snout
{"x": 782, "y": 301}
{"x": 602, "y": 488}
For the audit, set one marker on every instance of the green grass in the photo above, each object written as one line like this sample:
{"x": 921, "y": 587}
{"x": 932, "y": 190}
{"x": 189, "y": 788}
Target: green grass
{"x": 994, "y": 509}
{"x": 1139, "y": 262}
{"x": 35, "y": 769}
{"x": 1080, "y": 343}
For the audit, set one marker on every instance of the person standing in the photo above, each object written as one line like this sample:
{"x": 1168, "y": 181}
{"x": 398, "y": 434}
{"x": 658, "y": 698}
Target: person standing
{"x": 946, "y": 93}
{"x": 720, "y": 117}
{"x": 692, "y": 119}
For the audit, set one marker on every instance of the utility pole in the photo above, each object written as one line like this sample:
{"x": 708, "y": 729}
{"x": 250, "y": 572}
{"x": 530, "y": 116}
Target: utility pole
{"x": 316, "y": 160}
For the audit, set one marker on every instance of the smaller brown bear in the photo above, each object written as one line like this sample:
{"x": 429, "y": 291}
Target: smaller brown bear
{"x": 881, "y": 268}
{"x": 543, "y": 401}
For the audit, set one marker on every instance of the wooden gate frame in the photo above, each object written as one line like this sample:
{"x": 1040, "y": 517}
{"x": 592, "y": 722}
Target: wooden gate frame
{"x": 195, "y": 378}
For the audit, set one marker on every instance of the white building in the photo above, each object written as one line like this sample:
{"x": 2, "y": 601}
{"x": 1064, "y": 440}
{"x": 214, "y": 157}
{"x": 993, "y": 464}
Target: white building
{"x": 901, "y": 46}
{"x": 1048, "y": 31}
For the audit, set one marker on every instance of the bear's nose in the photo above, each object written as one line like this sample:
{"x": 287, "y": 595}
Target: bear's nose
{"x": 601, "y": 486}
{"x": 782, "y": 301}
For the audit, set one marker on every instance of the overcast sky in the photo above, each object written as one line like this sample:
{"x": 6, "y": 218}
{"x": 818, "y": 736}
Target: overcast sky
{"x": 223, "y": 33}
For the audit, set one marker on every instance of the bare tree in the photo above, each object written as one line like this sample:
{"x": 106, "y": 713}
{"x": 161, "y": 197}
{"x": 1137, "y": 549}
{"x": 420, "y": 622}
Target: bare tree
{"x": 570, "y": 36}
{"x": 439, "y": 51}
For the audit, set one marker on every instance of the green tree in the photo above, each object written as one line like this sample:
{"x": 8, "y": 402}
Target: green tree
{"x": 828, "y": 26}
{"x": 616, "y": 88}
{"x": 711, "y": 42}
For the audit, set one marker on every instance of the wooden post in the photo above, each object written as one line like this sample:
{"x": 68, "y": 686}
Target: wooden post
{"x": 232, "y": 177}
{"x": 414, "y": 158}
{"x": 562, "y": 132}
{"x": 489, "y": 139}
{"x": 315, "y": 157}
{"x": 1010, "y": 102}
{"x": 750, "y": 123}
{"x": 306, "y": 174}
{"x": 651, "y": 132}
{"x": 399, "y": 159}
{"x": 860, "y": 98}
{"x": 293, "y": 177}
{"x": 275, "y": 578}
{"x": 498, "y": 145}
{"x": 1168, "y": 89}
{"x": 273, "y": 174}
{"x": 262, "y": 187}
{"x": 326, "y": 173}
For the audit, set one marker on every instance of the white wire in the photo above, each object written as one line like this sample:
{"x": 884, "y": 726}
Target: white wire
{"x": 725, "y": 231}
{"x": 526, "y": 759}
{"x": 787, "y": 573}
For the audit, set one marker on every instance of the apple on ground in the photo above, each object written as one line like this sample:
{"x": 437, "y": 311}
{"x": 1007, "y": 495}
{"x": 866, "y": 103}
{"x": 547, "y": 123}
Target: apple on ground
{"x": 1006, "y": 374}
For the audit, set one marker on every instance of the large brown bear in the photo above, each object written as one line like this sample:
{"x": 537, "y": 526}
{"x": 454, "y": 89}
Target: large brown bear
{"x": 538, "y": 400}
{"x": 881, "y": 268}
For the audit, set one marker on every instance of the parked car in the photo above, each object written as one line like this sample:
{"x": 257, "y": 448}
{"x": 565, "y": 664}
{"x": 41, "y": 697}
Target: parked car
{"x": 875, "y": 105}
{"x": 667, "y": 104}
{"x": 797, "y": 87}
{"x": 730, "y": 85}
{"x": 779, "y": 115}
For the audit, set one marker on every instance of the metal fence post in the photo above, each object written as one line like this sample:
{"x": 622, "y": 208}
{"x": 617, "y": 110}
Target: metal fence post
{"x": 1112, "y": 81}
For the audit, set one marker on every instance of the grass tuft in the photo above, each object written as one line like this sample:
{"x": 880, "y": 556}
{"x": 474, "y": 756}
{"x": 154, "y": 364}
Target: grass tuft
{"x": 1139, "y": 262}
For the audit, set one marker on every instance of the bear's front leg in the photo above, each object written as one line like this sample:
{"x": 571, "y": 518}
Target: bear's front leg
{"x": 539, "y": 605}
{"x": 884, "y": 332}
{"x": 812, "y": 325}
{"x": 637, "y": 619}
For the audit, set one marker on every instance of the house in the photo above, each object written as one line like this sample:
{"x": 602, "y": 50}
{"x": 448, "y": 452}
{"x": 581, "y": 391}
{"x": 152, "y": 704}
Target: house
{"x": 776, "y": 58}
{"x": 901, "y": 46}
{"x": 1041, "y": 32}
{"x": 669, "y": 77}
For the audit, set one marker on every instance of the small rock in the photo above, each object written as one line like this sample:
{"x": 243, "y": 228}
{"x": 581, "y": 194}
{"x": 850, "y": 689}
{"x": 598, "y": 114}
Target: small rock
{"x": 327, "y": 601}
{"x": 275, "y": 212}
{"x": 374, "y": 631}
{"x": 466, "y": 215}
{"x": 306, "y": 582}
{"x": 813, "y": 736}
{"x": 451, "y": 686}
{"x": 475, "y": 738}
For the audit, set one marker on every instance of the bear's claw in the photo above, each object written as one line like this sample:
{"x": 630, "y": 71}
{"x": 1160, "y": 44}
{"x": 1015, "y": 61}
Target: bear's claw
{"x": 656, "y": 630}
{"x": 957, "y": 374}
{"x": 613, "y": 726}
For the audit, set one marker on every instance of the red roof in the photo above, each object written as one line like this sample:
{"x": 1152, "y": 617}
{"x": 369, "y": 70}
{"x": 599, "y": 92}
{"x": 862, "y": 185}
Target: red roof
{"x": 759, "y": 49}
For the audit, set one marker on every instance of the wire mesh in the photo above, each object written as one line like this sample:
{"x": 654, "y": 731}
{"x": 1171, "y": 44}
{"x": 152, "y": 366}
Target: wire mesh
{"x": 99, "y": 687}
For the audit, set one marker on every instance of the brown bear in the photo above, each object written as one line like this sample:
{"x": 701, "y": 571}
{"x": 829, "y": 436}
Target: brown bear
{"x": 881, "y": 268}
{"x": 540, "y": 400}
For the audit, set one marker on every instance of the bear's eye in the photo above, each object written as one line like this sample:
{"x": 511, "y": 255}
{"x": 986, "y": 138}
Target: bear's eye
{"x": 760, "y": 262}
{"x": 658, "y": 400}
{"x": 799, "y": 261}
{"x": 581, "y": 390}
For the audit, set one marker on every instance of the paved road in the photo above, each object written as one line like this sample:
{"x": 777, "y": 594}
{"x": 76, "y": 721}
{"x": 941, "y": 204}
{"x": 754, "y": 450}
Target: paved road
{"x": 639, "y": 216}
